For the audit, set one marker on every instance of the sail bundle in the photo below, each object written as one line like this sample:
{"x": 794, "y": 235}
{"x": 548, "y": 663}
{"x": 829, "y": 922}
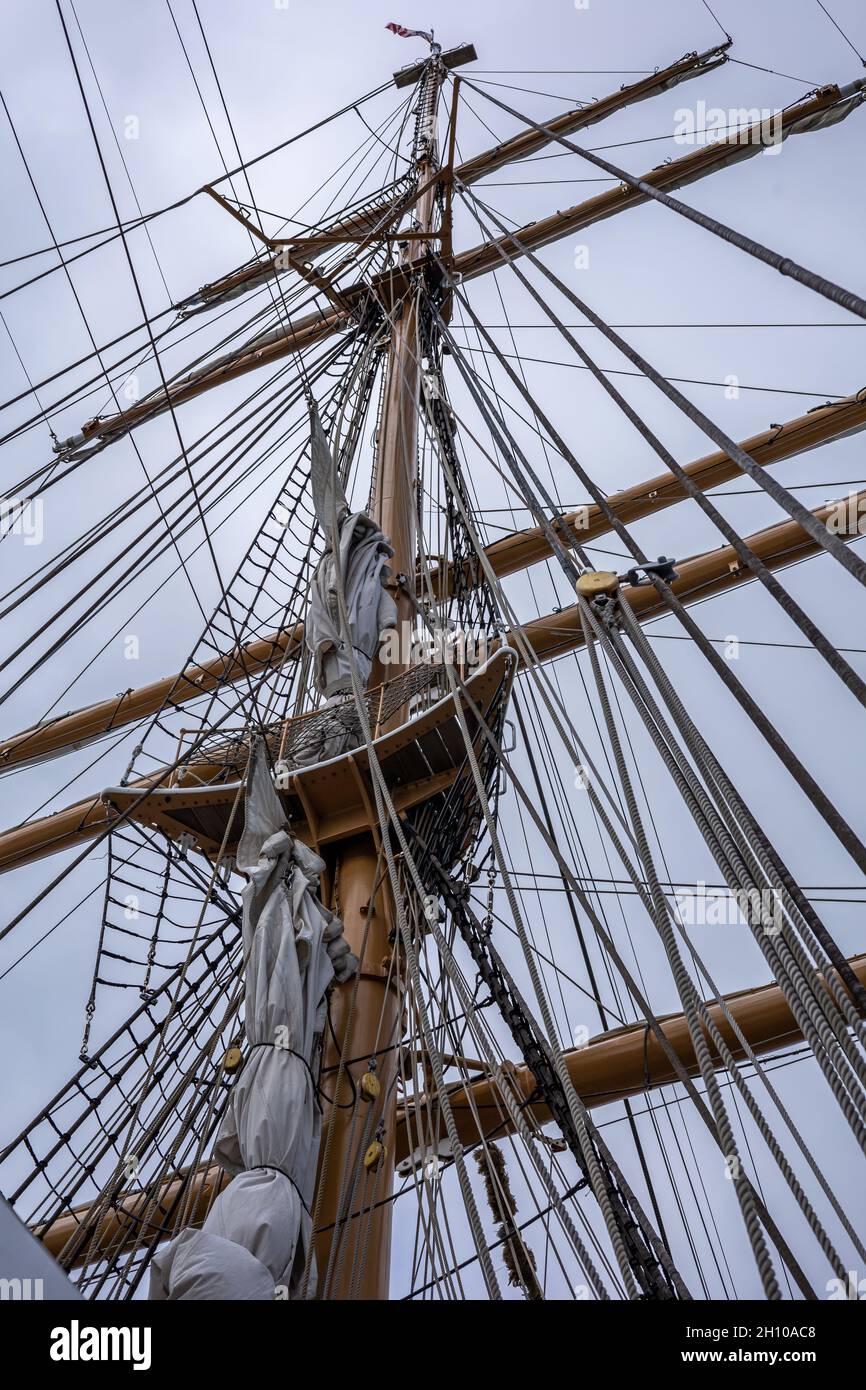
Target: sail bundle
{"x": 255, "y": 1242}
{"x": 363, "y": 563}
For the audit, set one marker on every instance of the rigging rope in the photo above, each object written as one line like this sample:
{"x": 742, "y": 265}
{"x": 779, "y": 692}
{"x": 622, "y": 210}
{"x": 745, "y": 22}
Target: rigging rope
{"x": 827, "y": 809}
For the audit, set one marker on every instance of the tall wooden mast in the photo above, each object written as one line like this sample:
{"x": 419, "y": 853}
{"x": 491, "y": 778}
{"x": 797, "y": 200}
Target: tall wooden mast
{"x": 369, "y": 1029}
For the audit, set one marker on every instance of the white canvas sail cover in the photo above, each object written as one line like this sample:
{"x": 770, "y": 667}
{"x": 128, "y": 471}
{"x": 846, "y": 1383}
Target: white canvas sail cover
{"x": 364, "y": 553}
{"x": 254, "y": 1242}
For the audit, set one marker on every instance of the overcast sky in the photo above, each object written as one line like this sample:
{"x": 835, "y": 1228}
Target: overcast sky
{"x": 281, "y": 69}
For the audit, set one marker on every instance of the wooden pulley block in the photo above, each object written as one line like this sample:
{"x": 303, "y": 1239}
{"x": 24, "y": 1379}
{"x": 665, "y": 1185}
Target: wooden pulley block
{"x": 592, "y": 583}
{"x": 375, "y": 1156}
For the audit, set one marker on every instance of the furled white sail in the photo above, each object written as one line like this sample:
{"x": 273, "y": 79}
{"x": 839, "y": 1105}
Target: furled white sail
{"x": 254, "y": 1242}
{"x": 364, "y": 553}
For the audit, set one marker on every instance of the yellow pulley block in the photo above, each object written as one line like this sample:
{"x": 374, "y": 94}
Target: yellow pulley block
{"x": 370, "y": 1086}
{"x": 375, "y": 1156}
{"x": 594, "y": 582}
{"x": 232, "y": 1060}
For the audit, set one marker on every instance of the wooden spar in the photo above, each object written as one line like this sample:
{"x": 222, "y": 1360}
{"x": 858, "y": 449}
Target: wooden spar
{"x": 478, "y": 260}
{"x": 506, "y": 555}
{"x": 706, "y": 159}
{"x": 529, "y": 142}
{"x": 76, "y": 729}
{"x": 521, "y": 146}
{"x": 299, "y": 334}
{"x": 120, "y": 1225}
{"x": 367, "y": 1018}
{"x": 550, "y": 636}
{"x": 522, "y": 548}
{"x": 623, "y": 1062}
{"x": 712, "y": 572}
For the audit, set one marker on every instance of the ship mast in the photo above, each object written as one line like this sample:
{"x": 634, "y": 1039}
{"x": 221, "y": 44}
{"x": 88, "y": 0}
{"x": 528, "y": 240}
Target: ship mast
{"x": 368, "y": 1023}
